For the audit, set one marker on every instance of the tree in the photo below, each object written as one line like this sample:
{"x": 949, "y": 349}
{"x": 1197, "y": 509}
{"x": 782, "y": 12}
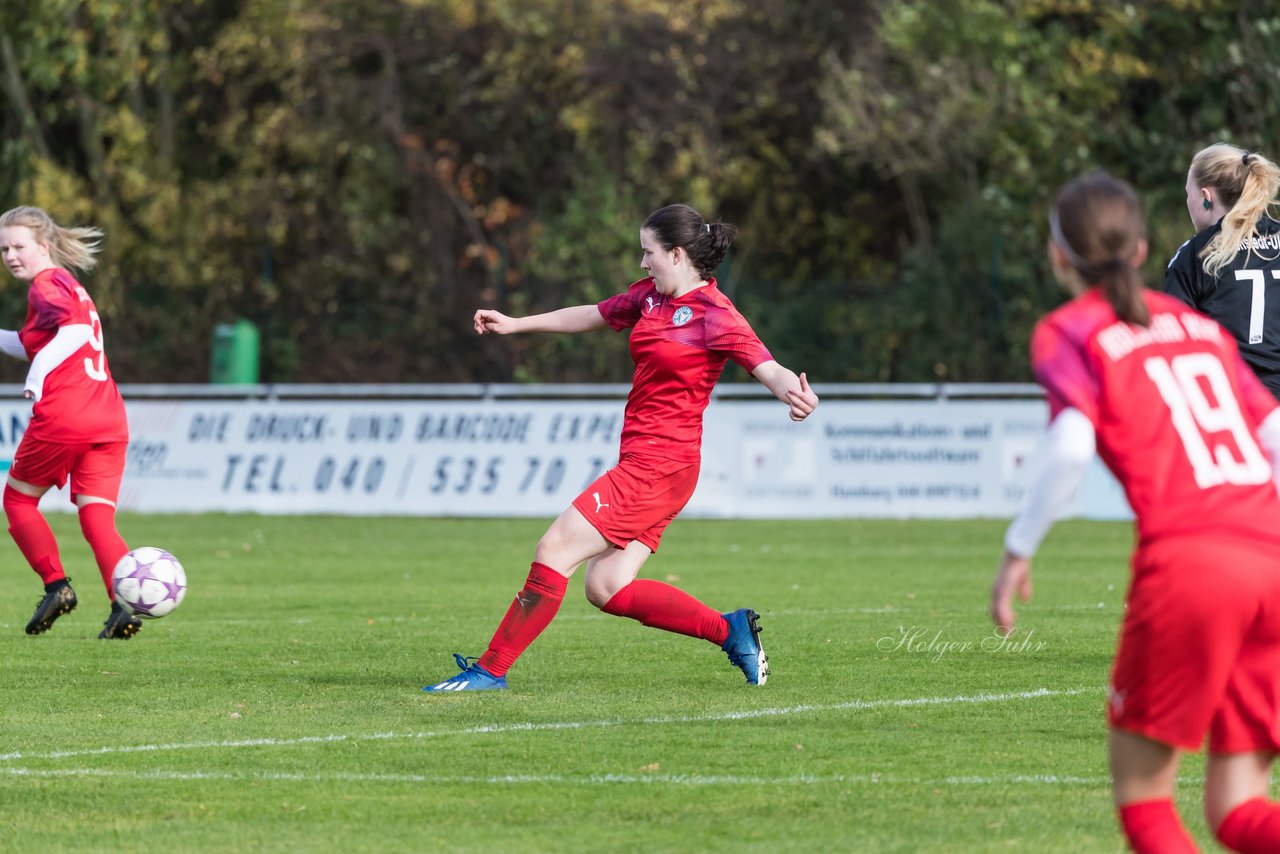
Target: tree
{"x": 977, "y": 110}
{"x": 357, "y": 176}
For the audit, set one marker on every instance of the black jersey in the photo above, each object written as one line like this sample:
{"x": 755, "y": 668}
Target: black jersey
{"x": 1244, "y": 296}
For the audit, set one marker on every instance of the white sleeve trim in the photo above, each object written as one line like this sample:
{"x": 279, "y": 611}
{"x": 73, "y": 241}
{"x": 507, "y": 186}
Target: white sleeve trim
{"x": 1269, "y": 438}
{"x": 11, "y": 344}
{"x": 68, "y": 340}
{"x": 1070, "y": 444}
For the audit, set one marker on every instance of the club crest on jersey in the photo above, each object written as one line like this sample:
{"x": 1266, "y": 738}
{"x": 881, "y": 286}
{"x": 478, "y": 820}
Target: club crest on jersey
{"x": 682, "y": 316}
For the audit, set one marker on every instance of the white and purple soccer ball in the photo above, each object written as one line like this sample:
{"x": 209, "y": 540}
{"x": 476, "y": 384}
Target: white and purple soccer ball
{"x": 149, "y": 582}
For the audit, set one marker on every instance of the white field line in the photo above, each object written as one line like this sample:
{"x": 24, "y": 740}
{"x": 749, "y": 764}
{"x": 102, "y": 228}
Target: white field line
{"x": 589, "y": 616}
{"x": 561, "y": 779}
{"x": 552, "y": 726}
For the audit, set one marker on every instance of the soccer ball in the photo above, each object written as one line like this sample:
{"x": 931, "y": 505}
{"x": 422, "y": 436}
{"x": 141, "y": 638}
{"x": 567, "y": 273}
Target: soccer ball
{"x": 149, "y": 582}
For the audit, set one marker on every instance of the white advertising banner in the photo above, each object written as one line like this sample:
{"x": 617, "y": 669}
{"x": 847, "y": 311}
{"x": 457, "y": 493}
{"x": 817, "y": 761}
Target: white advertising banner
{"x": 852, "y": 458}
{"x": 883, "y": 459}
{"x": 868, "y": 459}
{"x": 437, "y": 458}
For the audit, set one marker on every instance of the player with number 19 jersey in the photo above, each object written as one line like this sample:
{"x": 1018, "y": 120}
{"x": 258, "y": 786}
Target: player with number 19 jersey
{"x": 80, "y": 402}
{"x": 1176, "y": 415}
{"x": 1175, "y": 410}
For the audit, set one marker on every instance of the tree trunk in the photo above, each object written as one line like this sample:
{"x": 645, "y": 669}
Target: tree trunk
{"x": 17, "y": 92}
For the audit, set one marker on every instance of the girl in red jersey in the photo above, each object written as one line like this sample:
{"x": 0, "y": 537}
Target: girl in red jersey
{"x": 78, "y": 428}
{"x": 1163, "y": 396}
{"x": 683, "y": 331}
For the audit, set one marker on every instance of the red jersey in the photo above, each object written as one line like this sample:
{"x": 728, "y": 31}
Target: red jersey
{"x": 679, "y": 346}
{"x": 1175, "y": 410}
{"x": 80, "y": 402}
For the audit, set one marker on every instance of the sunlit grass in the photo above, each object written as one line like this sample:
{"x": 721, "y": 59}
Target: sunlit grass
{"x": 279, "y": 708}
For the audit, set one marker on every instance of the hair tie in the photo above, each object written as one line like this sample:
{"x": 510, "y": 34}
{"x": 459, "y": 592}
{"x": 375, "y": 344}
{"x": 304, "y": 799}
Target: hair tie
{"x": 1056, "y": 235}
{"x": 706, "y": 228}
{"x": 1246, "y": 158}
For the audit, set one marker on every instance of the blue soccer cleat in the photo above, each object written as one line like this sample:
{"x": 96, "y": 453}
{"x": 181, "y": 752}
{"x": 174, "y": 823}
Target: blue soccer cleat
{"x": 472, "y": 678}
{"x": 743, "y": 645}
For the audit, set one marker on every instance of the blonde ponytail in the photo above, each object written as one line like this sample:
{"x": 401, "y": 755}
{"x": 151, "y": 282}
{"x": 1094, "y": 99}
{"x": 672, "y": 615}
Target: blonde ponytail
{"x": 1247, "y": 183}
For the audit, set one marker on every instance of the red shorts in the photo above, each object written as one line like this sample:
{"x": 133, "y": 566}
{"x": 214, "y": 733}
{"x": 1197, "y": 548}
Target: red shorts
{"x": 638, "y": 498}
{"x": 94, "y": 469}
{"x": 1200, "y": 646}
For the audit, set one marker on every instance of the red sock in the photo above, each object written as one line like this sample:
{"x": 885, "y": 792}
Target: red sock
{"x": 1252, "y": 828}
{"x": 98, "y": 522}
{"x": 1153, "y": 827}
{"x": 31, "y": 532}
{"x": 668, "y": 608}
{"x": 529, "y": 614}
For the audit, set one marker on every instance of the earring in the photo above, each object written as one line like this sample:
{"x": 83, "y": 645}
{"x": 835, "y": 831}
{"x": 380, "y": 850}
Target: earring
{"x": 1208, "y": 204}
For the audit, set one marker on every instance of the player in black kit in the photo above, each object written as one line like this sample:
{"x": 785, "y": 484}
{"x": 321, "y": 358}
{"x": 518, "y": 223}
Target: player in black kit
{"x": 1230, "y": 270}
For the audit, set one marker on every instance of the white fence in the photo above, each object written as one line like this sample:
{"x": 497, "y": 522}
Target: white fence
{"x": 926, "y": 450}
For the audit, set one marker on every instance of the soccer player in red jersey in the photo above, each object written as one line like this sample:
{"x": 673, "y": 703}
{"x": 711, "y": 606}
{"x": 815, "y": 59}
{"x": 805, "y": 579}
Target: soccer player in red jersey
{"x": 1160, "y": 392}
{"x": 78, "y": 429}
{"x": 683, "y": 330}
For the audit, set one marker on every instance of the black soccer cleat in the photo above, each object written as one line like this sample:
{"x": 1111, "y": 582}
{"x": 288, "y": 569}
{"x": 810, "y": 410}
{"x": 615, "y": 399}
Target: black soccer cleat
{"x": 58, "y": 600}
{"x": 120, "y": 624}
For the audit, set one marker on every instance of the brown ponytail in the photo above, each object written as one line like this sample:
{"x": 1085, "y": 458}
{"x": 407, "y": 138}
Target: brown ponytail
{"x": 1097, "y": 223}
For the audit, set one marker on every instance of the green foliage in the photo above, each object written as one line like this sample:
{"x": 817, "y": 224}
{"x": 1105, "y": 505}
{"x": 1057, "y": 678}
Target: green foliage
{"x": 977, "y": 110}
{"x": 599, "y": 213}
{"x": 358, "y": 177}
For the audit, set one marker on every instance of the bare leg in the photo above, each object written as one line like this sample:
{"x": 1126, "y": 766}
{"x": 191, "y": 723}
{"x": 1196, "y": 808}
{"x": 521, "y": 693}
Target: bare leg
{"x": 569, "y": 541}
{"x": 610, "y": 571}
{"x": 1236, "y": 786}
{"x": 1144, "y": 774}
{"x": 1141, "y": 769}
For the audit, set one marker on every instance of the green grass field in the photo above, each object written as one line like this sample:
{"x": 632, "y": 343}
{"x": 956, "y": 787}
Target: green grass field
{"x": 279, "y": 708}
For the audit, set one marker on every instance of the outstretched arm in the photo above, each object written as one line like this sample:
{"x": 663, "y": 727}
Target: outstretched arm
{"x": 577, "y": 318}
{"x": 11, "y": 345}
{"x": 787, "y": 387}
{"x": 1013, "y": 578}
{"x": 1070, "y": 444}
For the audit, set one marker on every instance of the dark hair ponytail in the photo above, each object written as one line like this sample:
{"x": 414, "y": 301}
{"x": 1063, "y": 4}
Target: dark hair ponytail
{"x": 1097, "y": 223}
{"x": 706, "y": 243}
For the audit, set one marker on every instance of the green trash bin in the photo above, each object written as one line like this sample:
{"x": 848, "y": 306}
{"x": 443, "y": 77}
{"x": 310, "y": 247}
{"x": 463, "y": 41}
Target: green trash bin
{"x": 235, "y": 353}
